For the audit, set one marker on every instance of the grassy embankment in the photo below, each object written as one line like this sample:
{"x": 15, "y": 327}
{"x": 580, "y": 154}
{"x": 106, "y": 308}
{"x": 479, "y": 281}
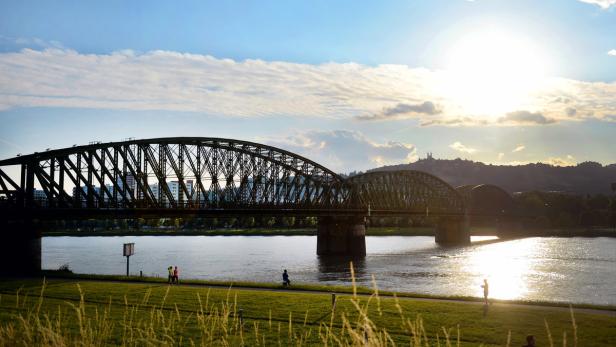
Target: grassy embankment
{"x": 97, "y": 312}
{"x": 311, "y": 287}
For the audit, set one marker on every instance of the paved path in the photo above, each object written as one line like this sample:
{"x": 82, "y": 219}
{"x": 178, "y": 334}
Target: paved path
{"x": 608, "y": 312}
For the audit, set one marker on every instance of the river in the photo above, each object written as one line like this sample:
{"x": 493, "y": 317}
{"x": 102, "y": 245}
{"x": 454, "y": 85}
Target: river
{"x": 576, "y": 270}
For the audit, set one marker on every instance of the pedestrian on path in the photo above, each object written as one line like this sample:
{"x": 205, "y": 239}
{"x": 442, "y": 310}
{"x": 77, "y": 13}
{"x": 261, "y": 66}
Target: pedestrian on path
{"x": 170, "y": 271}
{"x": 285, "y": 278}
{"x": 176, "y": 275}
{"x": 485, "y": 291}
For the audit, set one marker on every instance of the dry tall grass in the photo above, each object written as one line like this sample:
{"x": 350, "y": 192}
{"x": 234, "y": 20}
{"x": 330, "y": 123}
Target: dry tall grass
{"x": 212, "y": 324}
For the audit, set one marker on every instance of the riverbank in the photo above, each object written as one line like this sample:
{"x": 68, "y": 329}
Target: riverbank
{"x": 371, "y": 231}
{"x": 376, "y": 231}
{"x": 115, "y": 312}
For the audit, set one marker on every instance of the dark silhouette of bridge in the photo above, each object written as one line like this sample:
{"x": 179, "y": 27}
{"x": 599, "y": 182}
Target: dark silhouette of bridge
{"x": 167, "y": 177}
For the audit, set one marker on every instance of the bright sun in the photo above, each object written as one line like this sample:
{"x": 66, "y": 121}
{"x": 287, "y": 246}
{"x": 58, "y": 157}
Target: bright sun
{"x": 491, "y": 73}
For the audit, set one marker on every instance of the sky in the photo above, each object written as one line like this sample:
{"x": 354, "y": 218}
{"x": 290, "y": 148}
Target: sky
{"x": 351, "y": 85}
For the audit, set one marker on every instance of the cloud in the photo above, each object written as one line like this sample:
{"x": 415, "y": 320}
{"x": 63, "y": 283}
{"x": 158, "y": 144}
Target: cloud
{"x": 570, "y": 111}
{"x": 518, "y": 149}
{"x": 461, "y": 121}
{"x": 612, "y": 52}
{"x": 172, "y": 81}
{"x": 562, "y": 100}
{"x": 604, "y": 4}
{"x": 556, "y": 161}
{"x": 500, "y": 156}
{"x": 402, "y": 110}
{"x": 525, "y": 117}
{"x": 28, "y": 42}
{"x": 345, "y": 151}
{"x": 457, "y": 146}
{"x": 568, "y": 160}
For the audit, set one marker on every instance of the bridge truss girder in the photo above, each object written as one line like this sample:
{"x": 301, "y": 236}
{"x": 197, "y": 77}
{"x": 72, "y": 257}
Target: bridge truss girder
{"x": 175, "y": 173}
{"x": 404, "y": 192}
{"x": 211, "y": 176}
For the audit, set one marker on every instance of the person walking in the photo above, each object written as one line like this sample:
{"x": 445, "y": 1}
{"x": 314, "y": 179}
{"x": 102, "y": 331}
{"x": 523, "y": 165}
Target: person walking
{"x": 176, "y": 275}
{"x": 170, "y": 271}
{"x": 285, "y": 278}
{"x": 485, "y": 291}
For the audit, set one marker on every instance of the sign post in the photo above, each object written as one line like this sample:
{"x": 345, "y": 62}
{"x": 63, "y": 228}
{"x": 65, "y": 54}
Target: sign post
{"x": 129, "y": 249}
{"x": 613, "y": 209}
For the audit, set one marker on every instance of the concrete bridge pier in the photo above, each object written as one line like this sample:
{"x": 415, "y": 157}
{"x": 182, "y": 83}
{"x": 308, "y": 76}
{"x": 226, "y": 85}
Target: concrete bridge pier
{"x": 453, "y": 230}
{"x": 20, "y": 248}
{"x": 341, "y": 236}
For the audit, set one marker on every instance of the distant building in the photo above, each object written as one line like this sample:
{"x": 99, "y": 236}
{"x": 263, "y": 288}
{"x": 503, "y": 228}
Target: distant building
{"x": 84, "y": 189}
{"x": 39, "y": 195}
{"x": 175, "y": 188}
{"x": 131, "y": 183}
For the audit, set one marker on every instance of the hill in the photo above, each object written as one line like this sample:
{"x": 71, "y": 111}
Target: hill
{"x": 584, "y": 178}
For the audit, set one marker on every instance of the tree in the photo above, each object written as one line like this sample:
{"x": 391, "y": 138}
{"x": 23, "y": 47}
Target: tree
{"x": 249, "y": 222}
{"x": 288, "y": 221}
{"x": 269, "y": 221}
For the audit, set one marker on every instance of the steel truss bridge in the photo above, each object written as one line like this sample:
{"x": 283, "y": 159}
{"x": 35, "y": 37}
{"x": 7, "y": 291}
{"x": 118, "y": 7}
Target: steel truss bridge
{"x": 195, "y": 176}
{"x": 188, "y": 175}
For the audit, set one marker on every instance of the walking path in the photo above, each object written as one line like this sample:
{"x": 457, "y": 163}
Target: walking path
{"x": 606, "y": 311}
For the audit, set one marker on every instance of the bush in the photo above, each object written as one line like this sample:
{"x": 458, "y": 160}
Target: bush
{"x": 65, "y": 268}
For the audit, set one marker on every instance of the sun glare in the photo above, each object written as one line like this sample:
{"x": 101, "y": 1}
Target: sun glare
{"x": 492, "y": 72}
{"x": 506, "y": 266}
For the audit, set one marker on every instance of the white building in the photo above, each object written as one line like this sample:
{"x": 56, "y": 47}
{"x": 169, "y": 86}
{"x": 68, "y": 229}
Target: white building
{"x": 175, "y": 188}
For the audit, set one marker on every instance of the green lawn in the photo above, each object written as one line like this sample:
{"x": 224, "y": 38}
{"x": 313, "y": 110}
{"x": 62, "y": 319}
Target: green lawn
{"x": 136, "y": 313}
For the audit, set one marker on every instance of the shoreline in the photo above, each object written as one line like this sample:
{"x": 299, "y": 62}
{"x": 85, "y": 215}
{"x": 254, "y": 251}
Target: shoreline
{"x": 376, "y": 231}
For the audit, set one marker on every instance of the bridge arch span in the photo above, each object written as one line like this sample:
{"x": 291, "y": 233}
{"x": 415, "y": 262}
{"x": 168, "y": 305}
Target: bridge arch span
{"x": 178, "y": 172}
{"x": 491, "y": 206}
{"x": 487, "y": 199}
{"x": 407, "y": 191}
{"x": 403, "y": 192}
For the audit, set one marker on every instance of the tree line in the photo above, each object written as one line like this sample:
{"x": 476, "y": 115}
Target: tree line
{"x": 542, "y": 210}
{"x": 561, "y": 210}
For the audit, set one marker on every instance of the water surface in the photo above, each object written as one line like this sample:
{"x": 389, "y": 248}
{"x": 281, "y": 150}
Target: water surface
{"x": 581, "y": 270}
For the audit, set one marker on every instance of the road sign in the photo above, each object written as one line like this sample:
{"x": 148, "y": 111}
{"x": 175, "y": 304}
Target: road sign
{"x": 129, "y": 249}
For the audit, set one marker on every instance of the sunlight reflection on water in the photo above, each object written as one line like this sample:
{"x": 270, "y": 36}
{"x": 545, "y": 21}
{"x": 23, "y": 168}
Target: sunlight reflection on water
{"x": 506, "y": 267}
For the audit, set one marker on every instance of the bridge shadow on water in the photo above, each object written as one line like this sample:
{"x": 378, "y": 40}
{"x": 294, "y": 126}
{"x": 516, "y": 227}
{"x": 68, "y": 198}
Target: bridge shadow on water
{"x": 337, "y": 267}
{"x": 474, "y": 243}
{"x": 487, "y": 242}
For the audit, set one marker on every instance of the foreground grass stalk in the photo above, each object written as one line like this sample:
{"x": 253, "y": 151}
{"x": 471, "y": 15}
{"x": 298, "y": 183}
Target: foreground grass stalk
{"x": 547, "y": 328}
{"x": 175, "y": 315}
{"x": 575, "y": 338}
